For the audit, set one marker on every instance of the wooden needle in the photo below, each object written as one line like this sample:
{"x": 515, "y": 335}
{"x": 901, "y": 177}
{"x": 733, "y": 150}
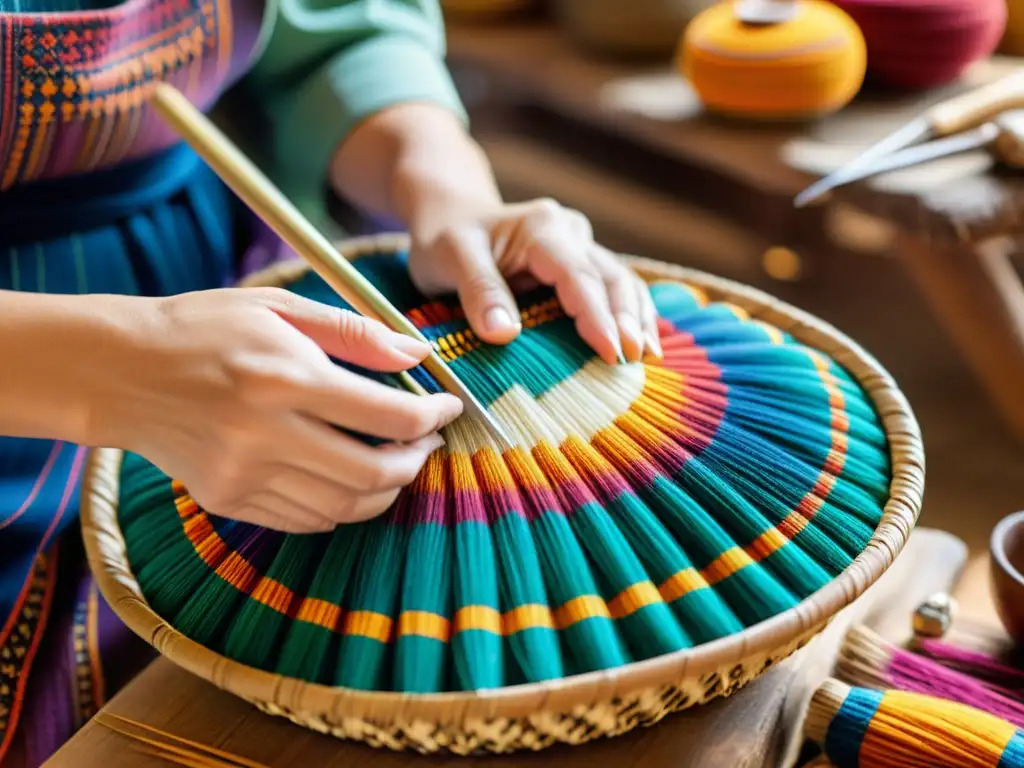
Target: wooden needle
{"x": 270, "y": 204}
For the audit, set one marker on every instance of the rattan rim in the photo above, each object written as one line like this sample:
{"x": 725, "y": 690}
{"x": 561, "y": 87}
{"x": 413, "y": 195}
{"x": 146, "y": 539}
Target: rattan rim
{"x": 107, "y": 557}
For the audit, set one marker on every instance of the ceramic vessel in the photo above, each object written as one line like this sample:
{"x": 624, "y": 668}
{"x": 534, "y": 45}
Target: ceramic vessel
{"x": 926, "y": 43}
{"x": 1013, "y": 38}
{"x": 633, "y": 28}
{"x": 1007, "y": 572}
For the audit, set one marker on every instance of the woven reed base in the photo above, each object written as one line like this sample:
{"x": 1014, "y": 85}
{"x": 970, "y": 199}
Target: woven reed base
{"x": 569, "y": 711}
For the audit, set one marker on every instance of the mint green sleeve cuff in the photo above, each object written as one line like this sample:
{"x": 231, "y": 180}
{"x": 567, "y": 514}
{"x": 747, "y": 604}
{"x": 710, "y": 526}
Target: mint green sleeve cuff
{"x": 362, "y": 79}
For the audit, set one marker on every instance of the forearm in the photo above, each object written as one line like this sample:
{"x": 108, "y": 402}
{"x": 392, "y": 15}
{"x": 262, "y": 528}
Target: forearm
{"x": 52, "y": 346}
{"x": 416, "y": 163}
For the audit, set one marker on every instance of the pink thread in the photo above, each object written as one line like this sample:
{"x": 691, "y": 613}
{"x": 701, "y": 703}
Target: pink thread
{"x": 1007, "y": 679}
{"x": 916, "y": 674}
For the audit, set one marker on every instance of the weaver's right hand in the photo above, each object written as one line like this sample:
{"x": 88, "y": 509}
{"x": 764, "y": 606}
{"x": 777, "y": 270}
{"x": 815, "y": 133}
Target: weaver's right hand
{"x": 232, "y": 393}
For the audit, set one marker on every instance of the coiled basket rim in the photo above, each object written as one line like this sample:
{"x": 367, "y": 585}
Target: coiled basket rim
{"x": 389, "y": 718}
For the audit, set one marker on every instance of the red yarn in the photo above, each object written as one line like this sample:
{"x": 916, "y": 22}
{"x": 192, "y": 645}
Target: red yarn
{"x": 926, "y": 43}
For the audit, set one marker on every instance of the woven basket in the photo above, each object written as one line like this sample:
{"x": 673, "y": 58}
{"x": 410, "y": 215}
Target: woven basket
{"x": 573, "y": 710}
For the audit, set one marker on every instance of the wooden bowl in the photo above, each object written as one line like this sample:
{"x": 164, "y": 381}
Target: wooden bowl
{"x": 571, "y": 710}
{"x": 1007, "y": 571}
{"x": 638, "y": 28}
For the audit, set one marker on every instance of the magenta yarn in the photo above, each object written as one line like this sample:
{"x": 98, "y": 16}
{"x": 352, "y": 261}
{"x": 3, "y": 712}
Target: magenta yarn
{"x": 917, "y": 674}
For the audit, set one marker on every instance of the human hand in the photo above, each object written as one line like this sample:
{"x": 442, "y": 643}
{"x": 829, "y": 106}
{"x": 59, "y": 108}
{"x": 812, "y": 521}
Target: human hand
{"x": 232, "y": 393}
{"x": 485, "y": 255}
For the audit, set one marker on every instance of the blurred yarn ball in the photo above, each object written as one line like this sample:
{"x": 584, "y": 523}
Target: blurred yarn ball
{"x": 811, "y": 64}
{"x": 919, "y": 44}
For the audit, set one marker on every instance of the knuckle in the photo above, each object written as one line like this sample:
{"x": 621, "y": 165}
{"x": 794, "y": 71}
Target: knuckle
{"x": 581, "y": 223}
{"x": 273, "y": 297}
{"x": 479, "y": 286}
{"x": 546, "y": 206}
{"x": 391, "y": 472}
{"x": 350, "y": 326}
{"x": 419, "y": 422}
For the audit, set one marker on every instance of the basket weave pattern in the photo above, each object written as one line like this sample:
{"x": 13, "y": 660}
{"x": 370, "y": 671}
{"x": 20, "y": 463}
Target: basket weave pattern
{"x": 572, "y": 710}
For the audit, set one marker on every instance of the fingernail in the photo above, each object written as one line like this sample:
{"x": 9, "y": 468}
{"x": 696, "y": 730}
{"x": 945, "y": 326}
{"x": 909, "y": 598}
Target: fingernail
{"x": 629, "y": 331}
{"x": 409, "y": 346}
{"x": 612, "y": 334}
{"x": 499, "y": 319}
{"x": 654, "y": 344}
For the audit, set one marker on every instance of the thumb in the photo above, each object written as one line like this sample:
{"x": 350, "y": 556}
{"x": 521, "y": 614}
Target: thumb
{"x": 485, "y": 296}
{"x": 345, "y": 335}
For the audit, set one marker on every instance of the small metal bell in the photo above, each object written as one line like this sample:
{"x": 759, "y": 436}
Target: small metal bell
{"x": 934, "y": 616}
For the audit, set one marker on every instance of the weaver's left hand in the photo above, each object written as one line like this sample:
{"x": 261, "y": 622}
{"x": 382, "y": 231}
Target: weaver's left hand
{"x": 487, "y": 255}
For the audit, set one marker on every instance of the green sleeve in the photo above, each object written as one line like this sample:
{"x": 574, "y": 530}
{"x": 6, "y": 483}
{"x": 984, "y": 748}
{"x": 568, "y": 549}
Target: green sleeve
{"x": 328, "y": 64}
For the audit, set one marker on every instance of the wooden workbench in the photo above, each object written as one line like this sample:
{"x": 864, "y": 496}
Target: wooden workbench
{"x": 631, "y": 147}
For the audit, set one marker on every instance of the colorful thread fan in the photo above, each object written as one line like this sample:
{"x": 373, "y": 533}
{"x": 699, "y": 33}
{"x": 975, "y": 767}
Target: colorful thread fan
{"x": 674, "y": 527}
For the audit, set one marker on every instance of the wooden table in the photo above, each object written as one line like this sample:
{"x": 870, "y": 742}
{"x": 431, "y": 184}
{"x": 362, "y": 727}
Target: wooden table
{"x": 632, "y": 148}
{"x": 756, "y": 728}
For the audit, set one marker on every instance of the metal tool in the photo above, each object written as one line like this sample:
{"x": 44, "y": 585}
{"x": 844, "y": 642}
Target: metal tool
{"x": 260, "y": 194}
{"x": 1004, "y": 136}
{"x": 963, "y": 113}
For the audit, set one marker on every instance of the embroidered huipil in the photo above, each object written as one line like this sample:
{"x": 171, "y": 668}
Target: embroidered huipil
{"x": 98, "y": 196}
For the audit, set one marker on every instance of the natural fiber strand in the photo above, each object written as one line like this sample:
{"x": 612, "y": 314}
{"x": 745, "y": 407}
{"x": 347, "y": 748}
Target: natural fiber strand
{"x": 645, "y": 509}
{"x": 185, "y": 749}
{"x": 867, "y": 659}
{"x": 866, "y": 728}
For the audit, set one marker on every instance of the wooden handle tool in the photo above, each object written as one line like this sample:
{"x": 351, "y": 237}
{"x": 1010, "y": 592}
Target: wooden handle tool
{"x": 259, "y": 193}
{"x": 966, "y": 112}
{"x": 1003, "y": 137}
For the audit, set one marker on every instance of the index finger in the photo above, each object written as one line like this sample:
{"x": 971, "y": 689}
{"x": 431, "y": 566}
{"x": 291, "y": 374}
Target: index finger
{"x": 559, "y": 258}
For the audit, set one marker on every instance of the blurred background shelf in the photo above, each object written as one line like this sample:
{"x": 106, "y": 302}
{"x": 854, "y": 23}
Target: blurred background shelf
{"x": 629, "y": 145}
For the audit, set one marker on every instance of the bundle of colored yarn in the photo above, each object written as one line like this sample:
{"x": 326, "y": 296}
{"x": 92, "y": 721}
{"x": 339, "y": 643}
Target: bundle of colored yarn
{"x": 705, "y": 513}
{"x": 807, "y": 65}
{"x": 865, "y": 728}
{"x": 992, "y": 670}
{"x": 867, "y": 659}
{"x": 926, "y": 43}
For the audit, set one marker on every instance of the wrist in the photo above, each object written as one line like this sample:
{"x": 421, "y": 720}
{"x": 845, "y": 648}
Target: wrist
{"x": 69, "y": 353}
{"x": 416, "y": 163}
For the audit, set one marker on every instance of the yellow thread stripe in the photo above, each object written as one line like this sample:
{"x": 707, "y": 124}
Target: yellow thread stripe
{"x": 530, "y": 616}
{"x": 478, "y": 617}
{"x": 681, "y": 583}
{"x": 633, "y": 598}
{"x": 726, "y": 564}
{"x": 375, "y": 626}
{"x": 315, "y": 611}
{"x": 740, "y": 312}
{"x": 766, "y": 544}
{"x": 273, "y": 594}
{"x": 424, "y": 624}
{"x": 579, "y": 609}
{"x": 775, "y": 336}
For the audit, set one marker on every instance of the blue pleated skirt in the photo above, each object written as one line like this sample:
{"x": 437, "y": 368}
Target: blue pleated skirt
{"x": 163, "y": 226}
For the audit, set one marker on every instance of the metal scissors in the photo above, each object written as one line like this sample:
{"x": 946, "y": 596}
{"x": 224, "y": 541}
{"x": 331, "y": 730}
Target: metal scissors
{"x": 991, "y": 116}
